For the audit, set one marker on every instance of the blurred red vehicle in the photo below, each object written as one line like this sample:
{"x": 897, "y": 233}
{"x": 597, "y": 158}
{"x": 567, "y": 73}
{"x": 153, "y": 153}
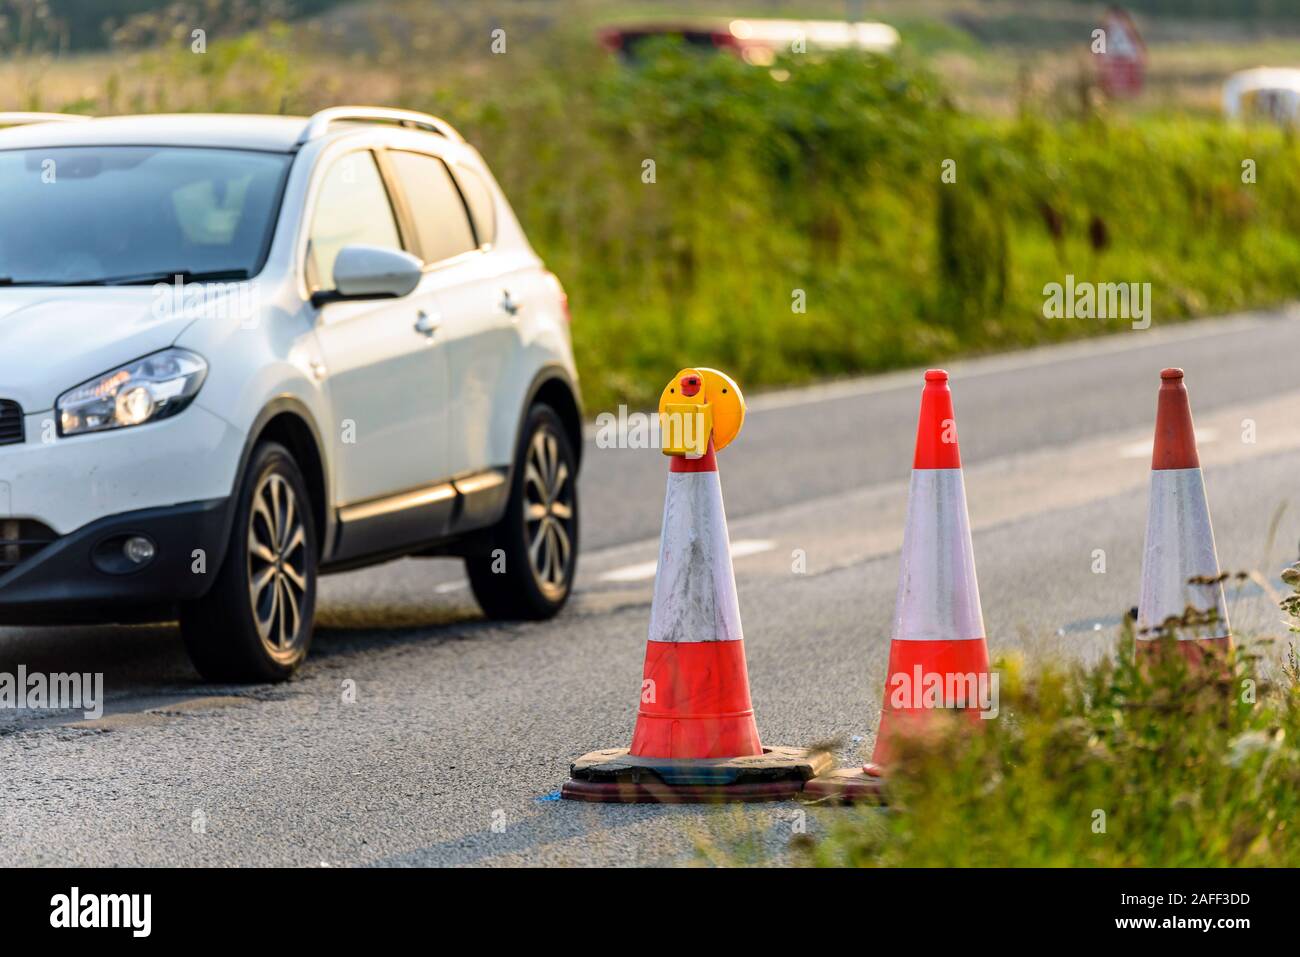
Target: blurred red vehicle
{"x": 754, "y": 41}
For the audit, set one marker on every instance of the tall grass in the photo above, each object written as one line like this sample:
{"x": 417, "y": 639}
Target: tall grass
{"x": 1113, "y": 765}
{"x": 822, "y": 185}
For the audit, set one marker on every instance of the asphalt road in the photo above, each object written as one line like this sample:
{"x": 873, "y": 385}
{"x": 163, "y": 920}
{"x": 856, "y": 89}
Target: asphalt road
{"x": 461, "y": 732}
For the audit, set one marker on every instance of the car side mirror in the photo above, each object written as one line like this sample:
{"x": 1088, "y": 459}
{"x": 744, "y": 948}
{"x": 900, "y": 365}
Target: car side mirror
{"x": 372, "y": 272}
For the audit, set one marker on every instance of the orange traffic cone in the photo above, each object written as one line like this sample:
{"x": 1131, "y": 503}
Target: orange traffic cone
{"x": 695, "y": 737}
{"x": 938, "y": 622}
{"x": 1182, "y": 591}
{"x": 695, "y": 690}
{"x": 938, "y": 658}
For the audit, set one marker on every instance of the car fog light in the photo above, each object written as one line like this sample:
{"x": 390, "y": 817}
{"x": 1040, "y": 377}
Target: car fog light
{"x": 138, "y": 550}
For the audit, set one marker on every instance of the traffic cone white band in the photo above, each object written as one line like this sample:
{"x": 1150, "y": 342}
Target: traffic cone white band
{"x": 1179, "y": 548}
{"x": 938, "y": 597}
{"x": 695, "y": 590}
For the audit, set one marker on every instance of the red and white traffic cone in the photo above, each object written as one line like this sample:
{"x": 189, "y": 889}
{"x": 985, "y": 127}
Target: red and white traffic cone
{"x": 938, "y": 641}
{"x": 696, "y": 738}
{"x": 1182, "y": 592}
{"x": 938, "y": 623}
{"x": 695, "y": 691}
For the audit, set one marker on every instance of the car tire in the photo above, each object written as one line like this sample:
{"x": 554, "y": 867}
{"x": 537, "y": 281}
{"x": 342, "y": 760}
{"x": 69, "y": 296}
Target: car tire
{"x": 529, "y": 574}
{"x": 255, "y": 623}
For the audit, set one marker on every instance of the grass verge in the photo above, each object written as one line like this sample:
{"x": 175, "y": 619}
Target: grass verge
{"x": 1112, "y": 765}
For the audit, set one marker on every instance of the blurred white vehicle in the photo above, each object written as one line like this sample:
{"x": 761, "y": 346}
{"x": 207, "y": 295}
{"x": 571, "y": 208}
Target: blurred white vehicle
{"x": 1267, "y": 93}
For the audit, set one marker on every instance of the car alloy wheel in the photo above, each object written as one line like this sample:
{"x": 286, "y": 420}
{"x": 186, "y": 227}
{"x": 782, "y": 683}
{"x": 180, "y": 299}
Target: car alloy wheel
{"x": 277, "y": 566}
{"x": 548, "y": 513}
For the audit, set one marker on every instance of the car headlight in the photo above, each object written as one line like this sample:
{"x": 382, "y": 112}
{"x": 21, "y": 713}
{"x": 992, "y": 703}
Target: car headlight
{"x": 145, "y": 390}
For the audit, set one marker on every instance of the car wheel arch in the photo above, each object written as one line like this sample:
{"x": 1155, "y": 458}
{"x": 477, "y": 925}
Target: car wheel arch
{"x": 285, "y": 419}
{"x": 553, "y": 386}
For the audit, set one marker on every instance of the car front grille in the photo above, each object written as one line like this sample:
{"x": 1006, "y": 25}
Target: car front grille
{"x": 11, "y": 422}
{"x": 20, "y": 539}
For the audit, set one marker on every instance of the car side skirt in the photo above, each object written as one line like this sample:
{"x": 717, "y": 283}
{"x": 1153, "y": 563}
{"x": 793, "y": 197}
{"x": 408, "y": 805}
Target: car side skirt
{"x": 417, "y": 520}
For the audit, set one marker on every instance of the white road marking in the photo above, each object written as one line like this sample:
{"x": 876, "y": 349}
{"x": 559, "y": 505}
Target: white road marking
{"x": 643, "y": 570}
{"x": 631, "y": 573}
{"x": 1142, "y": 450}
{"x": 447, "y": 588}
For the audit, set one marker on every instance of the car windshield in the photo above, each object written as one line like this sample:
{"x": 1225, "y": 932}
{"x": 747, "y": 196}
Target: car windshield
{"x": 135, "y": 214}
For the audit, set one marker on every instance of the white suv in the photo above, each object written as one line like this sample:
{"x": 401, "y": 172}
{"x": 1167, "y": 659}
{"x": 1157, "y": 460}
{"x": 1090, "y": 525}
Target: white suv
{"x": 240, "y": 351}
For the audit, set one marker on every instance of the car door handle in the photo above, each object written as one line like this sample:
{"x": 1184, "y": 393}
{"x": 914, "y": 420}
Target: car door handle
{"x": 509, "y": 306}
{"x": 426, "y": 323}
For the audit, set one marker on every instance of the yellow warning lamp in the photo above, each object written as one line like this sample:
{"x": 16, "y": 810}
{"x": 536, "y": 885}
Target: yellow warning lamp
{"x": 697, "y": 404}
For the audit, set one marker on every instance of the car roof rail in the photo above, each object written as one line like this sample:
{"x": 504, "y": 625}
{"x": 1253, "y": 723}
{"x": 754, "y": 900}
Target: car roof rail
{"x": 320, "y": 121}
{"x": 24, "y": 119}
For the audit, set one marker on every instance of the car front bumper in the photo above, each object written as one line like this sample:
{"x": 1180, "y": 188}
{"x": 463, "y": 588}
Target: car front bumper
{"x": 68, "y": 482}
{"x": 84, "y": 577}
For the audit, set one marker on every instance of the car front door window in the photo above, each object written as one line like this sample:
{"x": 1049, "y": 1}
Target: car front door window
{"x": 352, "y": 208}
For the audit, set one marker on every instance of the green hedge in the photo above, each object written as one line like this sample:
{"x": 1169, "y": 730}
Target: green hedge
{"x": 829, "y": 180}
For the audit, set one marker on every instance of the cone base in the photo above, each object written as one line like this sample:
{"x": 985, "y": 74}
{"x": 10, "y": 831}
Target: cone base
{"x": 656, "y": 792}
{"x": 1201, "y": 654}
{"x": 846, "y": 786}
{"x": 615, "y": 775}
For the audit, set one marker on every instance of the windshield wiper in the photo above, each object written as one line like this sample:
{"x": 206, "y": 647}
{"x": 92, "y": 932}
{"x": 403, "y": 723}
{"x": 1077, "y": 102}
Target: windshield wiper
{"x": 141, "y": 279}
{"x": 10, "y": 281}
{"x": 186, "y": 275}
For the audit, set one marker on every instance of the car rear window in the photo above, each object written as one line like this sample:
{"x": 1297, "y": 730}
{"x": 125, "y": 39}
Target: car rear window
{"x": 479, "y": 198}
{"x": 441, "y": 220}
